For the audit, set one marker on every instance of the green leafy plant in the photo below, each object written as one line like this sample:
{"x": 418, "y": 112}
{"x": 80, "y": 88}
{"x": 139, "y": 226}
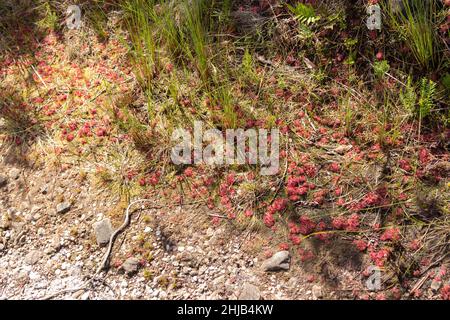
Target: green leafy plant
{"x": 380, "y": 68}
{"x": 196, "y": 29}
{"x": 306, "y": 16}
{"x": 183, "y": 28}
{"x": 417, "y": 24}
{"x": 426, "y": 97}
{"x": 140, "y": 13}
{"x": 304, "y": 13}
{"x": 50, "y": 18}
{"x": 248, "y": 68}
{"x": 420, "y": 104}
{"x": 408, "y": 96}
{"x": 171, "y": 34}
{"x": 350, "y": 45}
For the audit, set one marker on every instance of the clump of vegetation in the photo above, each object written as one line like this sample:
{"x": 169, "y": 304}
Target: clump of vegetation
{"x": 363, "y": 129}
{"x": 417, "y": 23}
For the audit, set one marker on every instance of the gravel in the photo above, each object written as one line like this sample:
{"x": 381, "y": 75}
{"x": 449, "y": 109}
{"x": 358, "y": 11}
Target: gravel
{"x": 33, "y": 257}
{"x": 131, "y": 265}
{"x": 63, "y": 207}
{"x": 250, "y": 292}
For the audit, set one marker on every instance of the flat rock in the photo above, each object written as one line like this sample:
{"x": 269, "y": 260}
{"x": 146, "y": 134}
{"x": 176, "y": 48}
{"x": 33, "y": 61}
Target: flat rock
{"x": 14, "y": 173}
{"x": 63, "y": 207}
{"x": 103, "y": 231}
{"x": 131, "y": 265}
{"x": 55, "y": 244}
{"x": 317, "y": 292}
{"x": 33, "y": 257}
{"x": 435, "y": 285}
{"x": 279, "y": 261}
{"x": 250, "y": 292}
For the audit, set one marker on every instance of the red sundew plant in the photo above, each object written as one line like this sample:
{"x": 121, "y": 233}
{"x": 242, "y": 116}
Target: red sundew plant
{"x": 169, "y": 67}
{"x": 70, "y": 137}
{"x": 268, "y": 253}
{"x": 319, "y": 196}
{"x": 364, "y": 297}
{"x": 360, "y": 244}
{"x": 210, "y": 203}
{"x": 396, "y": 293}
{"x": 131, "y": 174}
{"x": 231, "y": 179}
{"x": 268, "y": 220}
{"x": 366, "y": 272}
{"x": 347, "y": 192}
{"x": 73, "y": 126}
{"x": 424, "y": 157}
{"x": 374, "y": 151}
{"x": 352, "y": 223}
{"x": 248, "y": 213}
{"x": 310, "y": 170}
{"x": 296, "y": 188}
{"x": 85, "y": 130}
{"x": 231, "y": 214}
{"x": 117, "y": 264}
{"x": 376, "y": 198}
{"x": 305, "y": 133}
{"x": 425, "y": 261}
{"x": 38, "y": 100}
{"x": 306, "y": 226}
{"x": 405, "y": 165}
{"x": 321, "y": 227}
{"x": 339, "y": 223}
{"x": 379, "y": 257}
{"x": 414, "y": 245}
{"x": 403, "y": 197}
{"x": 417, "y": 293}
{"x": 296, "y": 240}
{"x": 334, "y": 167}
{"x": 305, "y": 255}
{"x": 380, "y": 296}
{"x": 208, "y": 181}
{"x": 445, "y": 292}
{"x": 142, "y": 182}
{"x": 278, "y": 205}
{"x": 189, "y": 172}
{"x": 392, "y": 234}
{"x": 101, "y": 132}
{"x": 293, "y": 228}
{"x": 215, "y": 221}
